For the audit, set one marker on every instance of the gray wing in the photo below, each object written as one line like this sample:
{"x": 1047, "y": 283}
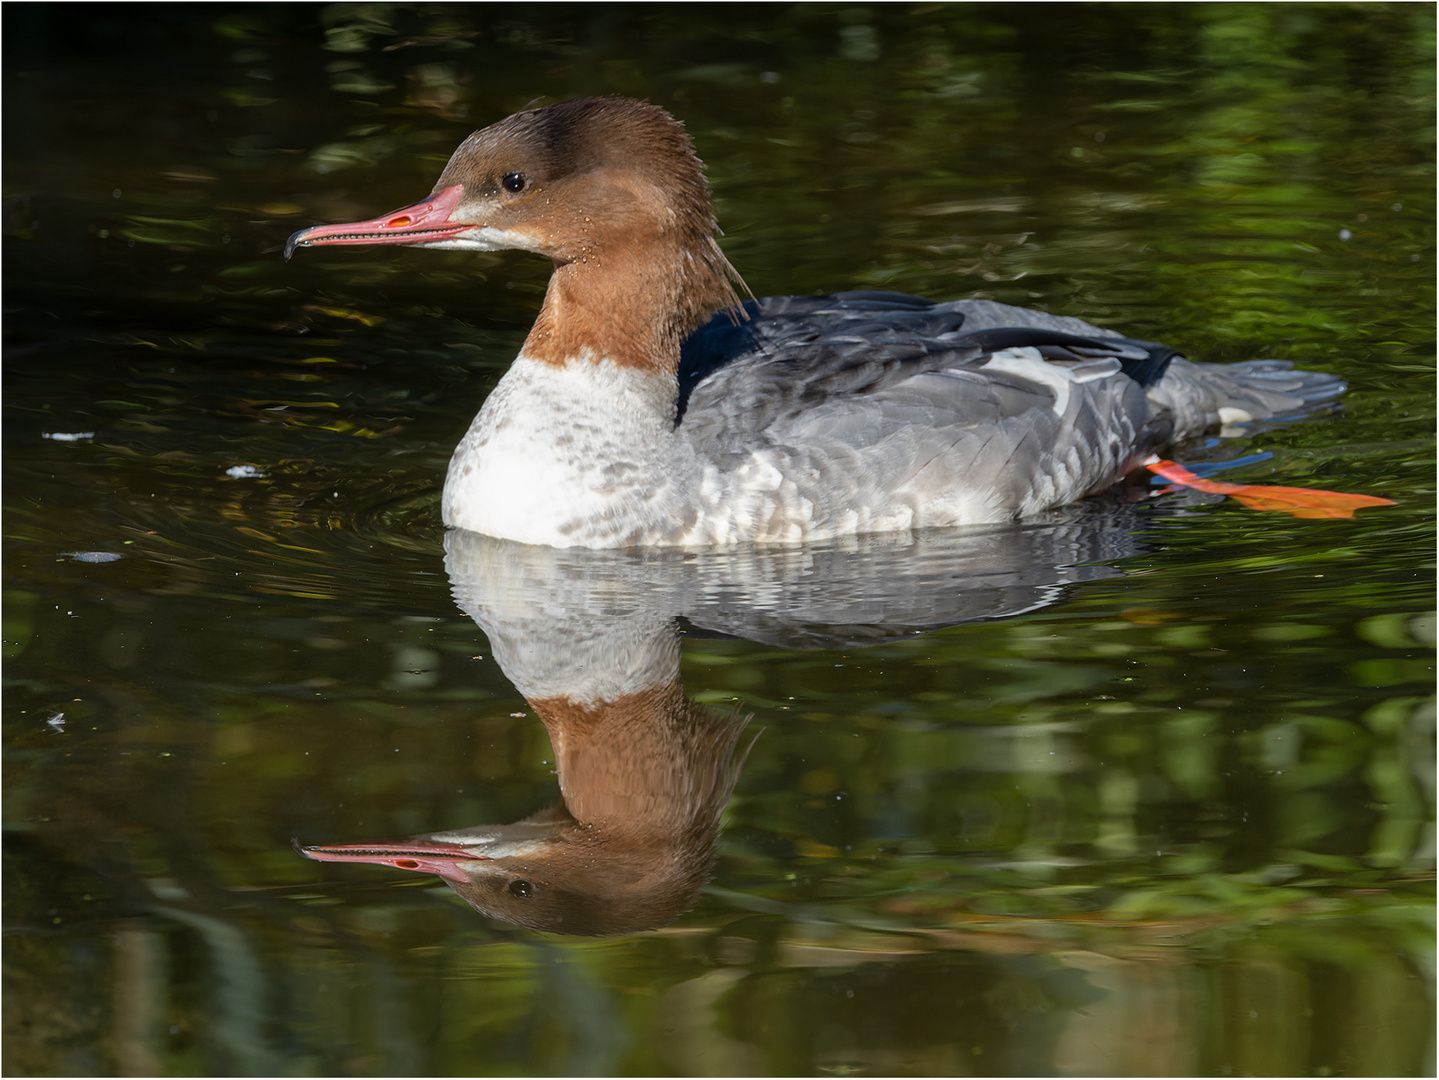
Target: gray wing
{"x": 908, "y": 403}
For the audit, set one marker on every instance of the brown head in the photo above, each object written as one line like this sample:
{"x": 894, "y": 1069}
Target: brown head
{"x": 611, "y": 191}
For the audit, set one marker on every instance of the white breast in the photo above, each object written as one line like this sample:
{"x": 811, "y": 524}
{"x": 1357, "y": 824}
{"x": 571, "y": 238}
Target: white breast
{"x": 577, "y": 454}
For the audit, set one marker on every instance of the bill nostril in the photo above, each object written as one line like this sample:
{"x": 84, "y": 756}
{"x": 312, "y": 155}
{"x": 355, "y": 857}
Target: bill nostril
{"x": 407, "y": 864}
{"x": 398, "y": 222}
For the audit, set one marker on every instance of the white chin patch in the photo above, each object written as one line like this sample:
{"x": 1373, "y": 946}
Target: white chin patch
{"x": 486, "y": 239}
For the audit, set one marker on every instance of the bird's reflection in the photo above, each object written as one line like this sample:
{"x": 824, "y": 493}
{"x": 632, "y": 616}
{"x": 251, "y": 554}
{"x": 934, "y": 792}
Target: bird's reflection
{"x": 643, "y": 780}
{"x": 591, "y": 639}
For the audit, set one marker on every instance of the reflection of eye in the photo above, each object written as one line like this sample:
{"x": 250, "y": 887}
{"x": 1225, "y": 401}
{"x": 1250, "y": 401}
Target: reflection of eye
{"x": 515, "y": 182}
{"x": 522, "y": 889}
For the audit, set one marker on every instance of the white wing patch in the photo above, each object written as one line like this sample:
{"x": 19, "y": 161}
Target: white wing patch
{"x": 1026, "y": 363}
{"x": 1094, "y": 370}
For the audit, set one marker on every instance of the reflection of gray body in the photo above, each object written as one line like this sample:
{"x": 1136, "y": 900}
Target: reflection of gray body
{"x": 598, "y": 623}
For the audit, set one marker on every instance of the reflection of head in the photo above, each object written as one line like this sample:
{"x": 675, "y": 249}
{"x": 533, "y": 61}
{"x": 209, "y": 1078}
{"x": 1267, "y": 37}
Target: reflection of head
{"x": 643, "y": 779}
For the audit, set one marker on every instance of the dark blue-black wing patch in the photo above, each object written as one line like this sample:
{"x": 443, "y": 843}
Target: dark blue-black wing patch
{"x": 712, "y": 346}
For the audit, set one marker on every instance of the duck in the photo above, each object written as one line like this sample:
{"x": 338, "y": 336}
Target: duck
{"x": 650, "y": 406}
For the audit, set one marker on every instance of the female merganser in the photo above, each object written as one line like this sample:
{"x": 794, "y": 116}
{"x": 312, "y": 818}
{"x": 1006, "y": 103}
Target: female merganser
{"x": 632, "y": 417}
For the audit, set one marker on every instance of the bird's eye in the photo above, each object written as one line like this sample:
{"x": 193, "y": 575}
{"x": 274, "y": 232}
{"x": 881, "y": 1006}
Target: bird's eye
{"x": 522, "y": 889}
{"x": 515, "y": 182}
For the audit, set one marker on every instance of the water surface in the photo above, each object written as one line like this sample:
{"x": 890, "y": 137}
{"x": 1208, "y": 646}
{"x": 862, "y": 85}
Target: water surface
{"x": 1146, "y": 788}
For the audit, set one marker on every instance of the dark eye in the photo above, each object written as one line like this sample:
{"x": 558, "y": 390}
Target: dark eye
{"x": 522, "y": 889}
{"x": 515, "y": 182}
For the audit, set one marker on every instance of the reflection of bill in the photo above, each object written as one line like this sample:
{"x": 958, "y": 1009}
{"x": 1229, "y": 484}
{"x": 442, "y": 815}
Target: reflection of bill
{"x": 591, "y": 640}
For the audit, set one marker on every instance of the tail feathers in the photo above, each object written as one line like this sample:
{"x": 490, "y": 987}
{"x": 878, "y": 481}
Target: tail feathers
{"x": 1198, "y": 396}
{"x": 1281, "y": 377}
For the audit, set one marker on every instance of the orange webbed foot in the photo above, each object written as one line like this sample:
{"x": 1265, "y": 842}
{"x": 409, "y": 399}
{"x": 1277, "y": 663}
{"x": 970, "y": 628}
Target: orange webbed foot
{"x": 1301, "y": 502}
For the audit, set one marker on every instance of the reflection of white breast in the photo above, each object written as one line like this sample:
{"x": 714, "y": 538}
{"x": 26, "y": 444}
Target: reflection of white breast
{"x": 562, "y": 628}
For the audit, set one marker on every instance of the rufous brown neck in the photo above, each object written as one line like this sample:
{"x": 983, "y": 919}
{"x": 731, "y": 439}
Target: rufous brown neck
{"x": 631, "y": 304}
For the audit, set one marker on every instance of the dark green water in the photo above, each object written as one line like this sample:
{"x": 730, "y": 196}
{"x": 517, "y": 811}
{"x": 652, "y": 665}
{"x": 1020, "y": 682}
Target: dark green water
{"x": 1171, "y": 814}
